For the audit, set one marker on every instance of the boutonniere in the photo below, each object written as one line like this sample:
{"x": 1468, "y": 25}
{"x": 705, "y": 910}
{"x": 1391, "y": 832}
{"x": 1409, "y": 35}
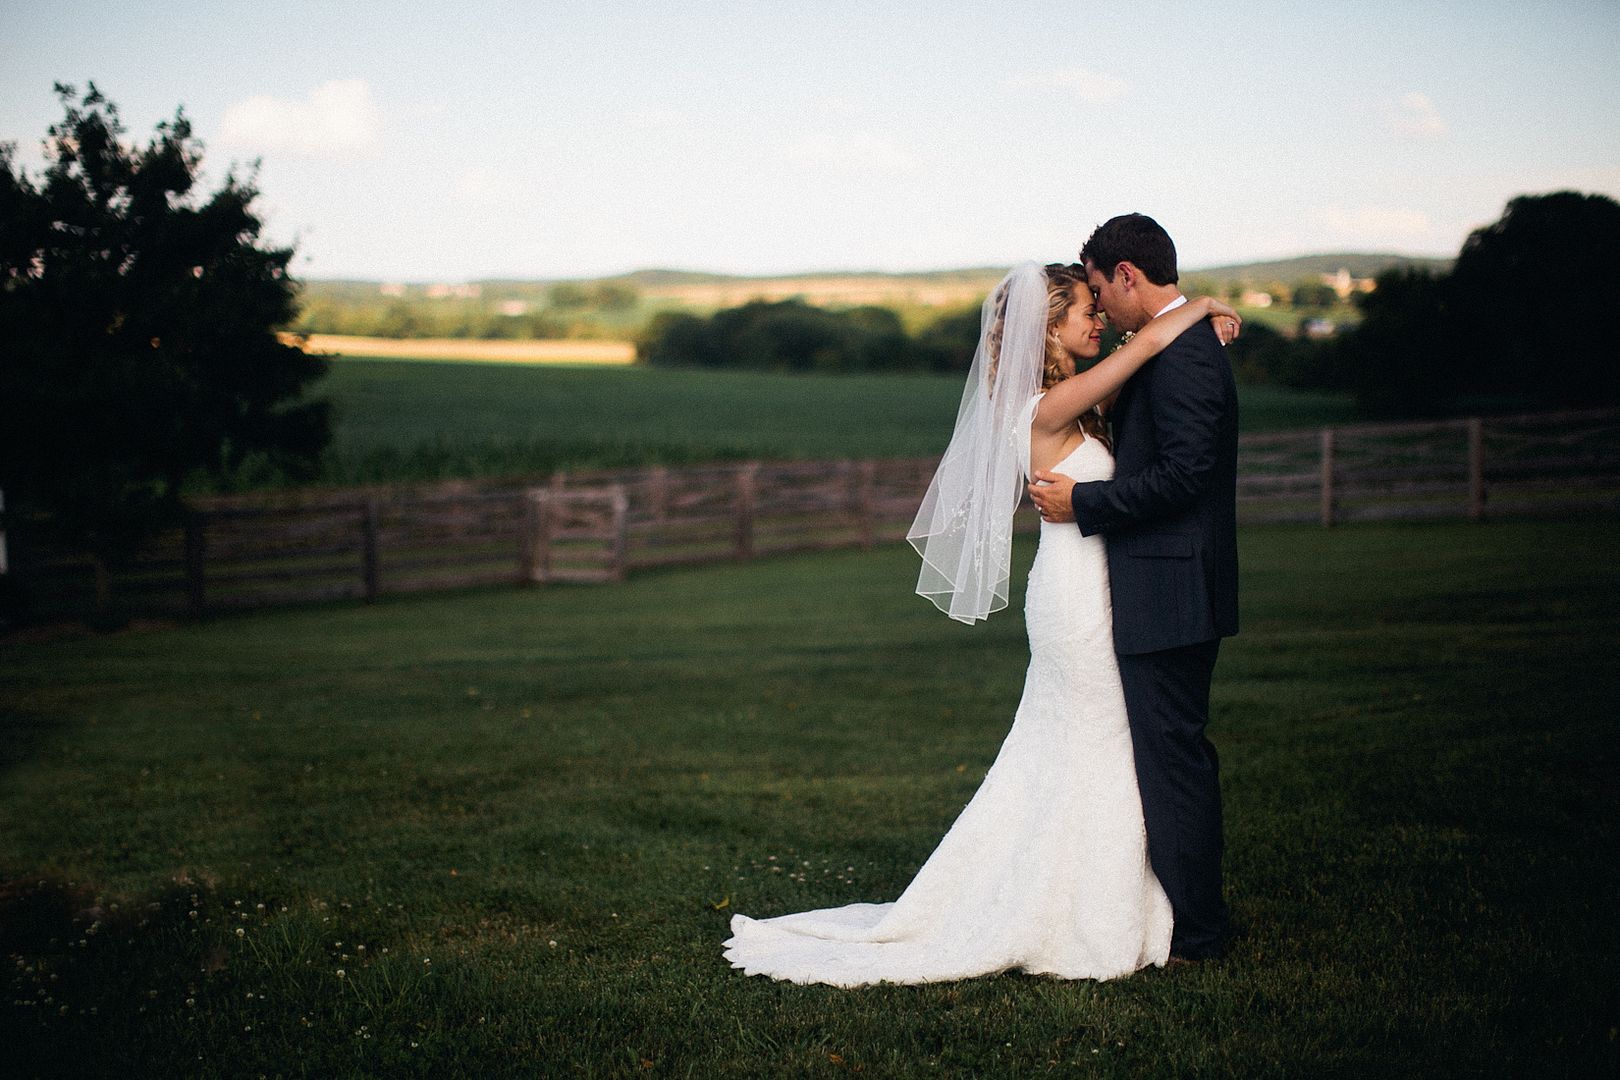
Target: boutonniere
{"x": 1123, "y": 338}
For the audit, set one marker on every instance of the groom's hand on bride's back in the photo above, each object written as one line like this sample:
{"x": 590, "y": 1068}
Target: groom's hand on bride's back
{"x": 1053, "y": 495}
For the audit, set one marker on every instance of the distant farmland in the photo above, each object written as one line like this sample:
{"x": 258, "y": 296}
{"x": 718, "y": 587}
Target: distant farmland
{"x": 832, "y": 290}
{"x": 617, "y": 308}
{"x": 519, "y": 352}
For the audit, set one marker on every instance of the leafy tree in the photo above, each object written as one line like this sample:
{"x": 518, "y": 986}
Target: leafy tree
{"x": 1522, "y": 319}
{"x": 615, "y": 296}
{"x": 877, "y": 340}
{"x": 1314, "y": 294}
{"x": 1531, "y": 298}
{"x": 948, "y": 343}
{"x": 1264, "y": 355}
{"x": 1402, "y": 360}
{"x": 569, "y": 296}
{"x": 1260, "y": 354}
{"x": 402, "y": 320}
{"x": 138, "y": 326}
{"x": 785, "y": 335}
{"x": 789, "y": 335}
{"x": 677, "y": 339}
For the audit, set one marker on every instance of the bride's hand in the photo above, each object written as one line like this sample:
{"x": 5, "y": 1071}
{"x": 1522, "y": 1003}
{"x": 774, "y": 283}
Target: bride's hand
{"x": 1224, "y": 318}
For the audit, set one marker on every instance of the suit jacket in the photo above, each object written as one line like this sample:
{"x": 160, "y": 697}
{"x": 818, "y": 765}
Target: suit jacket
{"x": 1170, "y": 513}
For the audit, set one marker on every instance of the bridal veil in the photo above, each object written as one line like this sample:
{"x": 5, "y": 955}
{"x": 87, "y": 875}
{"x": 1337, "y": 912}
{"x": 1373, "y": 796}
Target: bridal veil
{"x": 963, "y": 530}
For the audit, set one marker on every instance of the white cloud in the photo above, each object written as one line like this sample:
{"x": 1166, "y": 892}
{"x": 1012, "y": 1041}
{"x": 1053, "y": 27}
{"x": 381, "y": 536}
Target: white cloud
{"x": 1092, "y": 87}
{"x": 859, "y": 151}
{"x": 1416, "y": 117}
{"x": 338, "y": 119}
{"x": 1376, "y": 224}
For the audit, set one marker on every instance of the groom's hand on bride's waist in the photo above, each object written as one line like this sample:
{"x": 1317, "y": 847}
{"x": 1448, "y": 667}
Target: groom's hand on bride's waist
{"x": 1053, "y": 495}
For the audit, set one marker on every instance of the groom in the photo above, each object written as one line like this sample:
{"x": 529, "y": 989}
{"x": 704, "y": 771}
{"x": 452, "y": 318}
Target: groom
{"x": 1169, "y": 516}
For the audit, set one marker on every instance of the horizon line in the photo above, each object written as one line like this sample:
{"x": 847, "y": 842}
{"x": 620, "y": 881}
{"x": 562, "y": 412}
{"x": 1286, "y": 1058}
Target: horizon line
{"x": 791, "y": 275}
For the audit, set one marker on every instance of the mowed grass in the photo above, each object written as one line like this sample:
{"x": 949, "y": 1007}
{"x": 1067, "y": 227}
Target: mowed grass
{"x": 403, "y": 420}
{"x": 500, "y": 833}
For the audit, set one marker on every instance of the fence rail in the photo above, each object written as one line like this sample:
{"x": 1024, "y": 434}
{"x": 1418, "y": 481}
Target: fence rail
{"x": 596, "y": 525}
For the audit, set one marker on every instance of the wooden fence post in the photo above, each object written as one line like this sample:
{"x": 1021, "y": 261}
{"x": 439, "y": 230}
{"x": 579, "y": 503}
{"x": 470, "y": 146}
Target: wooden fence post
{"x": 658, "y": 497}
{"x": 868, "y": 507}
{"x": 1476, "y": 469}
{"x": 368, "y": 549}
{"x": 526, "y": 547}
{"x": 746, "y": 476}
{"x": 196, "y": 563}
{"x": 621, "y": 517}
{"x": 1327, "y": 477}
{"x": 537, "y": 560}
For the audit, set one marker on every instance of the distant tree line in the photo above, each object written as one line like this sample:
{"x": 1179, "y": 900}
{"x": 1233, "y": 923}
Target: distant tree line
{"x": 564, "y": 310}
{"x": 792, "y": 335}
{"x": 1520, "y": 321}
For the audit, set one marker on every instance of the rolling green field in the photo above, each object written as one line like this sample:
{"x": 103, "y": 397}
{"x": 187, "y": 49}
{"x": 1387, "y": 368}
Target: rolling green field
{"x": 499, "y": 833}
{"x": 401, "y": 420}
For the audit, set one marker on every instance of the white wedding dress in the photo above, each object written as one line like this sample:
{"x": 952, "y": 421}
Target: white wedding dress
{"x": 1046, "y": 868}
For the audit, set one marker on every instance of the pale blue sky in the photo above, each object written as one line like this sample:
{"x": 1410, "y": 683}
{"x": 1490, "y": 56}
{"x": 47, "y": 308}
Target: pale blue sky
{"x": 454, "y": 141}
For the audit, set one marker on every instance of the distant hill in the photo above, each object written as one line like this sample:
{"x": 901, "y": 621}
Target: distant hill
{"x": 663, "y": 281}
{"x": 618, "y": 306}
{"x": 654, "y": 279}
{"x": 1299, "y": 268}
{"x": 1306, "y": 267}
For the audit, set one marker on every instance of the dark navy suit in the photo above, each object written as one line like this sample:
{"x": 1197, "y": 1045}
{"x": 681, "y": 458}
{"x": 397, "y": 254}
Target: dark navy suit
{"x": 1170, "y": 519}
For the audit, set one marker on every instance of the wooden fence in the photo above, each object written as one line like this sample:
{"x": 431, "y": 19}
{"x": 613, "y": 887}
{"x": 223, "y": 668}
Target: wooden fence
{"x": 597, "y": 525}
{"x": 1510, "y": 466}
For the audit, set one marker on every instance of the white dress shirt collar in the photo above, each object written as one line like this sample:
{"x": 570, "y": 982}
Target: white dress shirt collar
{"x": 1171, "y": 306}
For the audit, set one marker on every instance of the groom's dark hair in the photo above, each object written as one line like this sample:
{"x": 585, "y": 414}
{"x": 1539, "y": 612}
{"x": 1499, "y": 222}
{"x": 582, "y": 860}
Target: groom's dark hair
{"x": 1136, "y": 239}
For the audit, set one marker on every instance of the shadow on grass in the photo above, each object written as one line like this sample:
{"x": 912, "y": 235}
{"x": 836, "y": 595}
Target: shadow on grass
{"x": 22, "y": 734}
{"x": 167, "y": 983}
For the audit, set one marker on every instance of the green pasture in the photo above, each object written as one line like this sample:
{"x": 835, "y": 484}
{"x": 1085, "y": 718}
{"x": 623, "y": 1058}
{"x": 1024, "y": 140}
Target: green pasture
{"x": 500, "y": 833}
{"x": 403, "y": 420}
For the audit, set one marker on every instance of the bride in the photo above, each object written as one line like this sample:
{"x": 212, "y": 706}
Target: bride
{"x": 1046, "y": 868}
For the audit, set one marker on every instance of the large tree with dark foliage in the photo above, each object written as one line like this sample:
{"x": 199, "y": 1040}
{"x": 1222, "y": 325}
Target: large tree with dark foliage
{"x": 138, "y": 346}
{"x": 1404, "y": 358}
{"x": 1522, "y": 321}
{"x": 1533, "y": 298}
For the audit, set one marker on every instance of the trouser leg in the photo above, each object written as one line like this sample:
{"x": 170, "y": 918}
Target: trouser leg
{"x": 1178, "y": 774}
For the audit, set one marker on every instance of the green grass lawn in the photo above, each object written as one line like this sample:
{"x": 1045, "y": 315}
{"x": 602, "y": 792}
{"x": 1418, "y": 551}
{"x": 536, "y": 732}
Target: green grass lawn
{"x": 400, "y": 420}
{"x": 499, "y": 833}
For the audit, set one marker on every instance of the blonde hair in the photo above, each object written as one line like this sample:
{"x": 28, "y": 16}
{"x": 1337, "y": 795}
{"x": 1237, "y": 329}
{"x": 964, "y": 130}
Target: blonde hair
{"x": 1062, "y": 280}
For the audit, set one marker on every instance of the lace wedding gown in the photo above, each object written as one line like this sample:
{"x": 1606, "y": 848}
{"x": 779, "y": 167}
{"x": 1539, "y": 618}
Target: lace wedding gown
{"x": 1046, "y": 868}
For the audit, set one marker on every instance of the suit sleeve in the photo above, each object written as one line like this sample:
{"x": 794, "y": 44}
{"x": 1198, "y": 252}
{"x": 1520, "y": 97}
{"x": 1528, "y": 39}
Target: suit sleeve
{"x": 1186, "y": 399}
